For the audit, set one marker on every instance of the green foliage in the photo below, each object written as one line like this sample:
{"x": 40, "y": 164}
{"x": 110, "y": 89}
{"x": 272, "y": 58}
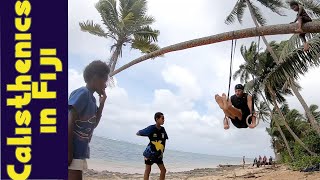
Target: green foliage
{"x": 304, "y": 162}
{"x": 302, "y": 158}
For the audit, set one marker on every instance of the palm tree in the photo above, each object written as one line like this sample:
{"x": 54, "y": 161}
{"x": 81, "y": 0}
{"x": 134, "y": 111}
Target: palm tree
{"x": 259, "y": 20}
{"x": 127, "y": 25}
{"x": 251, "y": 68}
{"x": 296, "y": 122}
{"x": 273, "y": 97}
{"x": 312, "y": 27}
{"x": 270, "y": 85}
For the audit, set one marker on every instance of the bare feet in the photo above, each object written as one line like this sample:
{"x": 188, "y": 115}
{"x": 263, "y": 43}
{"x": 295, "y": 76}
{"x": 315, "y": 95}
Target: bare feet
{"x": 224, "y": 99}
{"x": 306, "y": 47}
{"x": 299, "y": 30}
{"x": 219, "y": 101}
{"x": 226, "y": 126}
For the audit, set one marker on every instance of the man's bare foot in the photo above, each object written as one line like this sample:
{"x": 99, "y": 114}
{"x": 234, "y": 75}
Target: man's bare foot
{"x": 226, "y": 126}
{"x": 224, "y": 99}
{"x": 219, "y": 101}
{"x": 306, "y": 47}
{"x": 299, "y": 30}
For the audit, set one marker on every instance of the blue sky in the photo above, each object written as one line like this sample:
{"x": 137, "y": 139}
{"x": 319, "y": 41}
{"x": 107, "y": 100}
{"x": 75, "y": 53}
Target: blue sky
{"x": 180, "y": 84}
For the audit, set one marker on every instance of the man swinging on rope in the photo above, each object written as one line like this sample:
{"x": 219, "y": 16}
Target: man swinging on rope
{"x": 237, "y": 108}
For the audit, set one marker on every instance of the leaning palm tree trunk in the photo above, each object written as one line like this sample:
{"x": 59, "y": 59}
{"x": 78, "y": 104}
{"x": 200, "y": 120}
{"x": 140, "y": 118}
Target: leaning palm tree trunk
{"x": 114, "y": 58}
{"x": 311, "y": 27}
{"x": 295, "y": 90}
{"x": 296, "y": 138}
{"x": 279, "y": 129}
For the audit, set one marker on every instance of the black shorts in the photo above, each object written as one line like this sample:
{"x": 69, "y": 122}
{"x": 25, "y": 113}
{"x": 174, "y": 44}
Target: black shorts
{"x": 150, "y": 162}
{"x": 241, "y": 123}
{"x": 305, "y": 19}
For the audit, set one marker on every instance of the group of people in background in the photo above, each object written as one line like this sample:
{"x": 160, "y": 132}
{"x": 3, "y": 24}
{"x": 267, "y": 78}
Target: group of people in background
{"x": 262, "y": 161}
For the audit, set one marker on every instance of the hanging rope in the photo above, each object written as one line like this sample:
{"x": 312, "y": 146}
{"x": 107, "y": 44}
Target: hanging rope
{"x": 255, "y": 85}
{"x": 255, "y": 88}
{"x": 233, "y": 51}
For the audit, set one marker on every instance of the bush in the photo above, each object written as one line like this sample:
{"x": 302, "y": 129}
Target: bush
{"x": 304, "y": 162}
{"x": 302, "y": 158}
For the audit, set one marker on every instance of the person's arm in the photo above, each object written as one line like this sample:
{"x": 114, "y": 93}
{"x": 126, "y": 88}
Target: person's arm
{"x": 145, "y": 132}
{"x": 76, "y": 104}
{"x": 165, "y": 134}
{"x": 300, "y": 11}
{"x": 249, "y": 100}
{"x": 72, "y": 115}
{"x": 102, "y": 100}
{"x": 295, "y": 20}
{"x": 299, "y": 14}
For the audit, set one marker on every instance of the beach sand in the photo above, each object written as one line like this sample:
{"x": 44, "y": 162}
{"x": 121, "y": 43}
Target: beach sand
{"x": 235, "y": 172}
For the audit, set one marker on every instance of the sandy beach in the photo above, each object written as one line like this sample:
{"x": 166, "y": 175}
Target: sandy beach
{"x": 236, "y": 172}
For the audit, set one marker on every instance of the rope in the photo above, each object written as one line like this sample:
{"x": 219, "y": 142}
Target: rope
{"x": 233, "y": 51}
{"x": 255, "y": 88}
{"x": 254, "y": 64}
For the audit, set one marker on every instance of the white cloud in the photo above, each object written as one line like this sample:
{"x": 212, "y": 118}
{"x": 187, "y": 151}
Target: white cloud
{"x": 183, "y": 79}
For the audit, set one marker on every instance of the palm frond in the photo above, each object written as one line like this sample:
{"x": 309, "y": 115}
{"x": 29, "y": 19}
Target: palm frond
{"x": 124, "y": 8}
{"x": 264, "y": 112}
{"x": 315, "y": 112}
{"x": 273, "y": 5}
{"x": 139, "y": 8}
{"x": 93, "y": 28}
{"x": 238, "y": 72}
{"x": 238, "y": 8}
{"x": 147, "y": 33}
{"x": 293, "y": 43}
{"x": 144, "y": 45}
{"x": 296, "y": 63}
{"x": 109, "y": 14}
{"x": 258, "y": 15}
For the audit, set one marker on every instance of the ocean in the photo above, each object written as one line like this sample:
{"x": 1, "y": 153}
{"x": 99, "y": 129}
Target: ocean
{"x": 124, "y": 157}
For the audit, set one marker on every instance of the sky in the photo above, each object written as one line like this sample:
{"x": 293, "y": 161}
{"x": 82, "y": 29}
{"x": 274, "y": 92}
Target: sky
{"x": 181, "y": 84}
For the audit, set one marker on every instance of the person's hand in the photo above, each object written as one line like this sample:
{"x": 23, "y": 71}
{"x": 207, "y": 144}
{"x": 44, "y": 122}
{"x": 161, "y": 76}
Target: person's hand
{"x": 254, "y": 121}
{"x": 102, "y": 97}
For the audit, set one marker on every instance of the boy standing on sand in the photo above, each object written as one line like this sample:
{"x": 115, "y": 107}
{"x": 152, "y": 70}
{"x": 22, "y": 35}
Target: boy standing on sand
{"x": 84, "y": 116}
{"x": 154, "y": 151}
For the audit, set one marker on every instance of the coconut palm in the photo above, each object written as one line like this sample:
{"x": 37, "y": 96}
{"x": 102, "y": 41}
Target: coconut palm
{"x": 296, "y": 122}
{"x": 253, "y": 67}
{"x": 258, "y": 19}
{"x": 273, "y": 84}
{"x": 127, "y": 25}
{"x": 278, "y": 75}
{"x": 275, "y": 103}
